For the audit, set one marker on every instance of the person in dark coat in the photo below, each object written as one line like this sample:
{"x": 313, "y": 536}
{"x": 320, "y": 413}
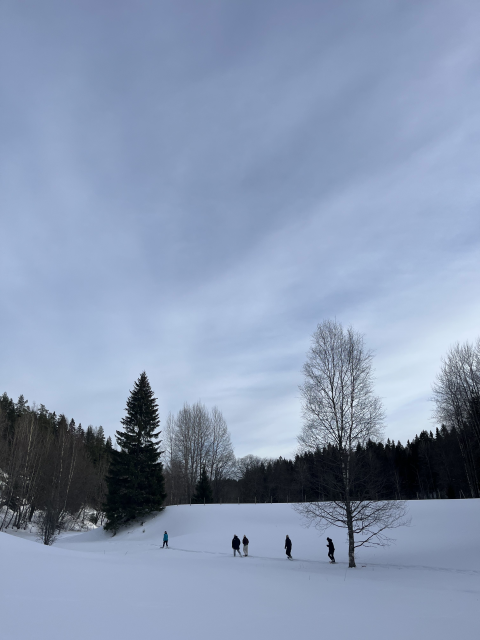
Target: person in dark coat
{"x": 165, "y": 539}
{"x": 288, "y": 547}
{"x": 236, "y": 546}
{"x": 245, "y": 546}
{"x": 331, "y": 550}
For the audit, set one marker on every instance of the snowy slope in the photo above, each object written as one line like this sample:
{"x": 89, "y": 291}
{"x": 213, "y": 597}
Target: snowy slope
{"x": 425, "y": 586}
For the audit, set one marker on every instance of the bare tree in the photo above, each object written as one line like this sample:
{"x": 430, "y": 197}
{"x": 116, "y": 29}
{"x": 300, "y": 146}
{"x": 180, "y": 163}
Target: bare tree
{"x": 191, "y": 440}
{"x": 169, "y": 440}
{"x": 32, "y": 448}
{"x": 195, "y": 439}
{"x": 50, "y": 523}
{"x": 24, "y": 455}
{"x": 341, "y": 412}
{"x": 59, "y": 494}
{"x": 174, "y": 485}
{"x": 247, "y": 463}
{"x": 250, "y": 471}
{"x": 221, "y": 459}
{"x": 456, "y": 393}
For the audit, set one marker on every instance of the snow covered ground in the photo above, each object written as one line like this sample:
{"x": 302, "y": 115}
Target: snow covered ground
{"x": 425, "y": 586}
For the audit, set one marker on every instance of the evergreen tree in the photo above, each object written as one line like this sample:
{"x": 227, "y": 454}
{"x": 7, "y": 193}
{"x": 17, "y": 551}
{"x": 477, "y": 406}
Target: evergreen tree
{"x": 203, "y": 489}
{"x": 21, "y": 406}
{"x": 135, "y": 479}
{"x": 9, "y": 416}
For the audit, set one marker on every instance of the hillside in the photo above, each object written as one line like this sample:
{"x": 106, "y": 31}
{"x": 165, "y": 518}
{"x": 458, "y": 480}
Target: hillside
{"x": 426, "y": 585}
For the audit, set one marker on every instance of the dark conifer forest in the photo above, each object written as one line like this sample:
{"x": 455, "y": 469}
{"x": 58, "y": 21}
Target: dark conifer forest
{"x": 430, "y": 466}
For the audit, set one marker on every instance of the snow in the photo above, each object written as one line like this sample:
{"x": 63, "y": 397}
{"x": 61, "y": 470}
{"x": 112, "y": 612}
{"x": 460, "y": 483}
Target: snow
{"x": 427, "y": 585}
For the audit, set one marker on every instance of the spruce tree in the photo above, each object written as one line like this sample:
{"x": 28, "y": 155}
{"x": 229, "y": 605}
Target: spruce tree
{"x": 203, "y": 489}
{"x": 135, "y": 480}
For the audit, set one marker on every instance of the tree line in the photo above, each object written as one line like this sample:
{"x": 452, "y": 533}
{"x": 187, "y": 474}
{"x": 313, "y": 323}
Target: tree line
{"x": 440, "y": 464}
{"x": 429, "y": 467}
{"x": 52, "y": 471}
{"x": 55, "y": 472}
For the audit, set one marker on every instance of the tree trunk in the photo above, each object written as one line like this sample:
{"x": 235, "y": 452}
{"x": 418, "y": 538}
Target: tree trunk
{"x": 351, "y": 538}
{"x": 467, "y": 461}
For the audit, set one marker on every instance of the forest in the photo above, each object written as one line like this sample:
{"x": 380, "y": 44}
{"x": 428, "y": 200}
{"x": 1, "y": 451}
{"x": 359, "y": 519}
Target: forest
{"x": 54, "y": 473}
{"x": 430, "y": 466}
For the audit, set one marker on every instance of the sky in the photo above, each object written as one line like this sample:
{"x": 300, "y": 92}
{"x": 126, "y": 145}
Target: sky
{"x": 188, "y": 188}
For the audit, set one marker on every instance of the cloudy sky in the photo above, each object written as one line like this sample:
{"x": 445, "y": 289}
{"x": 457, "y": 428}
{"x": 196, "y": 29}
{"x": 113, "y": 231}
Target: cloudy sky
{"x": 190, "y": 187}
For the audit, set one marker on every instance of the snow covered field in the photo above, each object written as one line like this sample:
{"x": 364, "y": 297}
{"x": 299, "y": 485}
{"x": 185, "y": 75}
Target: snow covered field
{"x": 427, "y": 585}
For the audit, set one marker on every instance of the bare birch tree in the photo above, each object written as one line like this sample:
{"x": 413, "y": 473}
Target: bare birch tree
{"x": 33, "y": 449}
{"x": 456, "y": 393}
{"x": 341, "y": 412}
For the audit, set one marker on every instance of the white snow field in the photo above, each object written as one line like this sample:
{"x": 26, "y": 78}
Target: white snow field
{"x": 91, "y": 584}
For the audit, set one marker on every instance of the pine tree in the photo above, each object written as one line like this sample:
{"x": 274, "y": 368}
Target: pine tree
{"x": 21, "y": 406}
{"x": 135, "y": 479}
{"x": 203, "y": 489}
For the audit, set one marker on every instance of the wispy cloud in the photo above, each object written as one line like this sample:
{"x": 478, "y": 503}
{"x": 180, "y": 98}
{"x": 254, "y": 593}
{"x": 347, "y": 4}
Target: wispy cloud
{"x": 190, "y": 188}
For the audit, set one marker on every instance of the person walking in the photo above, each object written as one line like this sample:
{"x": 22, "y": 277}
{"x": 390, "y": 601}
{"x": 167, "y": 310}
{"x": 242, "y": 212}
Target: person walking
{"x": 236, "y": 546}
{"x": 288, "y": 548}
{"x": 165, "y": 540}
{"x": 331, "y": 551}
{"x": 245, "y": 546}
